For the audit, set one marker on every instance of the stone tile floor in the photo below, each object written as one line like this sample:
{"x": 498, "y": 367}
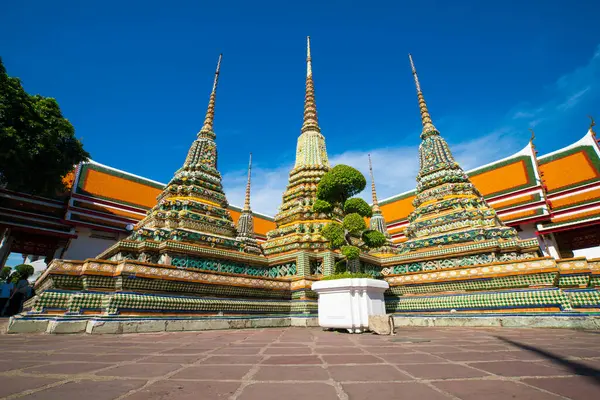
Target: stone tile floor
{"x": 304, "y": 363}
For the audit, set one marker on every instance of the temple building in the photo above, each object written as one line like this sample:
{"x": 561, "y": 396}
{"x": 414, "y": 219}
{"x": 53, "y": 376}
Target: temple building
{"x": 497, "y": 239}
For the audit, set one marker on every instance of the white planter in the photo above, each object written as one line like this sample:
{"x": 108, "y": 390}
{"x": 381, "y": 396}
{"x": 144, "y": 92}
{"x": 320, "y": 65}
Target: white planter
{"x": 347, "y": 303}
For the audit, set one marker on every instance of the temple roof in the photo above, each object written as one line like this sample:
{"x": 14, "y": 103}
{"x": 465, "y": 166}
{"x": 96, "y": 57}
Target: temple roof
{"x": 107, "y": 198}
{"x": 513, "y": 186}
{"x": 572, "y": 177}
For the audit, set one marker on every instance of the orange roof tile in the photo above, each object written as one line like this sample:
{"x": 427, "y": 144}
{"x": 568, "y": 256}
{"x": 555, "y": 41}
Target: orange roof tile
{"x": 569, "y": 170}
{"x": 105, "y": 185}
{"x": 576, "y": 198}
{"x": 397, "y": 210}
{"x": 502, "y": 178}
{"x": 570, "y": 217}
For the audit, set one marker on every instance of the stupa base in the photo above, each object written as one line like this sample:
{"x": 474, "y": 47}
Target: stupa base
{"x": 137, "y": 324}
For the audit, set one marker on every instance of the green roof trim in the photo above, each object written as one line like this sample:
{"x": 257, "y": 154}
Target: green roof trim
{"x": 397, "y": 197}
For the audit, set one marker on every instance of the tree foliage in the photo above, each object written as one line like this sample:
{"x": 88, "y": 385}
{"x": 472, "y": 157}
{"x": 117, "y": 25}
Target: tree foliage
{"x": 334, "y": 193}
{"x": 373, "y": 239}
{"x": 340, "y": 183}
{"x": 351, "y": 252}
{"x": 322, "y": 206}
{"x": 359, "y": 206}
{"x": 5, "y": 273}
{"x": 354, "y": 224}
{"x": 22, "y": 271}
{"x": 334, "y": 232}
{"x": 38, "y": 146}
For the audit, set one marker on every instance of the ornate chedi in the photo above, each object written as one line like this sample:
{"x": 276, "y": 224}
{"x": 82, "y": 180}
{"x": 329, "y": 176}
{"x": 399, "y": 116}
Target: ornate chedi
{"x": 191, "y": 209}
{"x": 377, "y": 222}
{"x": 245, "y": 225}
{"x": 450, "y": 215}
{"x": 298, "y": 227}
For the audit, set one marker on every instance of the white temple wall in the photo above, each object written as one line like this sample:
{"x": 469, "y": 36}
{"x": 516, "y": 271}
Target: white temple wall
{"x": 90, "y": 242}
{"x": 528, "y": 231}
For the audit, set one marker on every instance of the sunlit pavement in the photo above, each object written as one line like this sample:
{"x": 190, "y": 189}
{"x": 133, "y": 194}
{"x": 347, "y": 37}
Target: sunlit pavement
{"x": 307, "y": 364}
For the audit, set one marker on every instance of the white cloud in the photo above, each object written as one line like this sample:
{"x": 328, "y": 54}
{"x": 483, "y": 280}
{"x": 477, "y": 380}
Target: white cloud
{"x": 565, "y": 93}
{"x": 572, "y": 100}
{"x": 267, "y": 187}
{"x": 523, "y": 114}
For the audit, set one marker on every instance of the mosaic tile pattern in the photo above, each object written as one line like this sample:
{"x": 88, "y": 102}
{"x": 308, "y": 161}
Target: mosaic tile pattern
{"x": 584, "y": 298}
{"x": 542, "y": 298}
{"x": 504, "y": 282}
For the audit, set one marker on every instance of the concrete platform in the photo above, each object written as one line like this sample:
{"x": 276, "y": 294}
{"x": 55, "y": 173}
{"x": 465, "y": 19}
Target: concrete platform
{"x": 120, "y": 325}
{"x": 304, "y": 363}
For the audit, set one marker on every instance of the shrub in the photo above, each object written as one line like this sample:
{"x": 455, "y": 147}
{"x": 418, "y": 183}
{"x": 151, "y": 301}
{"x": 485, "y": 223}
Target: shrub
{"x": 340, "y": 267}
{"x": 354, "y": 224}
{"x": 358, "y": 206}
{"x": 351, "y": 252}
{"x": 5, "y": 273}
{"x": 373, "y": 239}
{"x": 25, "y": 270}
{"x": 340, "y": 183}
{"x": 322, "y": 206}
{"x": 334, "y": 191}
{"x": 334, "y": 232}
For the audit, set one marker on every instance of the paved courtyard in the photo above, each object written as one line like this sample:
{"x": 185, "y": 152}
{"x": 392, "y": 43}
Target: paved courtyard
{"x": 298, "y": 363}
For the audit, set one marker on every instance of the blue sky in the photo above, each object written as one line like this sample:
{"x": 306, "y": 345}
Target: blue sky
{"x": 134, "y": 78}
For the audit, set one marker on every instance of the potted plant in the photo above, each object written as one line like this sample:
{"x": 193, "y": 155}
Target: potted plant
{"x": 348, "y": 297}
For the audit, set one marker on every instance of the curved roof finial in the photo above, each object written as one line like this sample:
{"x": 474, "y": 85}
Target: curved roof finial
{"x": 592, "y": 124}
{"x": 532, "y": 135}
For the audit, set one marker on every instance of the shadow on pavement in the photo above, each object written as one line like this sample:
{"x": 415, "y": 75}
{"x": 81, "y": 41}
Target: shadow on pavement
{"x": 573, "y": 366}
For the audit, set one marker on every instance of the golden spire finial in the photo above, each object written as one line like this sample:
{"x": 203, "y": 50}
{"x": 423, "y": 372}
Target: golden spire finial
{"x": 592, "y": 124}
{"x": 210, "y": 112}
{"x": 373, "y": 192}
{"x": 311, "y": 122}
{"x": 247, "y": 200}
{"x": 425, "y": 117}
{"x": 308, "y": 59}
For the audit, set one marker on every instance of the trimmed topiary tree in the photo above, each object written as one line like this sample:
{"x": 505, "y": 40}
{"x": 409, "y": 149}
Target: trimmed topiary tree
{"x": 350, "y": 234}
{"x": 22, "y": 271}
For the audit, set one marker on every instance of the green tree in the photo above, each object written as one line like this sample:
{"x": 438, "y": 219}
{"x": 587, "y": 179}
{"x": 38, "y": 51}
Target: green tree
{"x": 38, "y": 146}
{"x": 350, "y": 235}
{"x": 5, "y": 273}
{"x": 22, "y": 271}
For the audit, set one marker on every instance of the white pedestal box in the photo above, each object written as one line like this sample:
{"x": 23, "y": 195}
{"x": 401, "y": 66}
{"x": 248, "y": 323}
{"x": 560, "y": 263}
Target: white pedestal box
{"x": 347, "y": 303}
